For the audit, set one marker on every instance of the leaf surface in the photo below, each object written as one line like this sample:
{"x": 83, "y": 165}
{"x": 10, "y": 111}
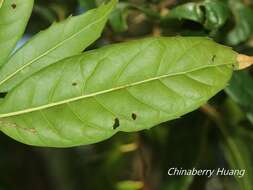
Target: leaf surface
{"x": 14, "y": 17}
{"x": 238, "y": 151}
{"x": 124, "y": 87}
{"x": 211, "y": 13}
{"x": 244, "y": 24}
{"x": 179, "y": 144}
{"x": 61, "y": 40}
{"x": 240, "y": 90}
{"x": 87, "y": 4}
{"x": 1, "y": 3}
{"x": 118, "y": 18}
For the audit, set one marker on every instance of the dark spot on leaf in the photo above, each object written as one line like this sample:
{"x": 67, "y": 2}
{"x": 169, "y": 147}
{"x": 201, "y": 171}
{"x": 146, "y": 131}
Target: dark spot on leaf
{"x": 213, "y": 58}
{"x": 116, "y": 123}
{"x": 3, "y": 94}
{"x": 134, "y": 116}
{"x": 74, "y": 84}
{"x": 13, "y": 6}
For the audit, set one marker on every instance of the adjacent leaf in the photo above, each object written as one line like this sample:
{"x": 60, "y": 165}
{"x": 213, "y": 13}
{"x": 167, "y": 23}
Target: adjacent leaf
{"x": 216, "y": 13}
{"x": 59, "y": 41}
{"x": 233, "y": 114}
{"x": 123, "y": 87}
{"x": 190, "y": 11}
{"x": 118, "y": 18}
{"x": 14, "y": 15}
{"x": 179, "y": 144}
{"x": 87, "y": 4}
{"x": 147, "y": 10}
{"x": 240, "y": 90}
{"x": 238, "y": 152}
{"x": 45, "y": 12}
{"x": 1, "y": 3}
{"x": 211, "y": 13}
{"x": 244, "y": 23}
{"x": 129, "y": 185}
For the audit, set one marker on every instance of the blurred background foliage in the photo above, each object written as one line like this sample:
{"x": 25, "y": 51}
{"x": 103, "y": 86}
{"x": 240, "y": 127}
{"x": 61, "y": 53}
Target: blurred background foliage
{"x": 218, "y": 135}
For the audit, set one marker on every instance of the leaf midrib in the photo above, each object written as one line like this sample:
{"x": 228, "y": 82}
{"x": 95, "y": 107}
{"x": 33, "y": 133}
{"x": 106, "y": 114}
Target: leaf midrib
{"x": 50, "y": 50}
{"x": 107, "y": 91}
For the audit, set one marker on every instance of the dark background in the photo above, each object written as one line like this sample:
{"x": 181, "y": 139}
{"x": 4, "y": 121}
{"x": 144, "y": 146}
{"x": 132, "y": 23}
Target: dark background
{"x": 219, "y": 134}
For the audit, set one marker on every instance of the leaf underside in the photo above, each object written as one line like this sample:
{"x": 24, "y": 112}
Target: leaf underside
{"x": 124, "y": 87}
{"x": 61, "y": 40}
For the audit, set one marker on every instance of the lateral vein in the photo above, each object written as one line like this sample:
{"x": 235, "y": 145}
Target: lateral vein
{"x": 50, "y": 50}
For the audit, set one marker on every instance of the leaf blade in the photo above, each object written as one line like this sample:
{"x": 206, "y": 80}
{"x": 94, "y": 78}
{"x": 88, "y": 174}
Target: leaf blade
{"x": 238, "y": 153}
{"x": 244, "y": 25}
{"x": 61, "y": 40}
{"x": 85, "y": 90}
{"x": 1, "y": 3}
{"x": 14, "y": 17}
{"x": 241, "y": 92}
{"x": 211, "y": 14}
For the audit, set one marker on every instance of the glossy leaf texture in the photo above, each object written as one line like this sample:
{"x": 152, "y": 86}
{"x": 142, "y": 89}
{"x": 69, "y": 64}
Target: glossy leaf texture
{"x": 211, "y": 13}
{"x": 240, "y": 90}
{"x": 244, "y": 24}
{"x": 61, "y": 40}
{"x": 14, "y": 16}
{"x": 124, "y": 87}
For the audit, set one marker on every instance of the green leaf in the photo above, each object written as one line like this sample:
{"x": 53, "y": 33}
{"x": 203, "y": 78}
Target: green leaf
{"x": 216, "y": 13}
{"x": 179, "y": 183}
{"x": 237, "y": 147}
{"x": 45, "y": 12}
{"x": 244, "y": 24}
{"x": 179, "y": 145}
{"x": 87, "y": 4}
{"x": 240, "y": 90}
{"x": 238, "y": 151}
{"x": 189, "y": 11}
{"x": 147, "y": 10}
{"x": 118, "y": 18}
{"x": 125, "y": 87}
{"x": 1, "y": 3}
{"x": 233, "y": 114}
{"x": 211, "y": 13}
{"x": 59, "y": 41}
{"x": 14, "y": 17}
{"x": 129, "y": 185}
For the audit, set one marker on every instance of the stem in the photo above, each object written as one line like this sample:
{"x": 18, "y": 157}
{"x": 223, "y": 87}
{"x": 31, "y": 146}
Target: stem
{"x": 244, "y": 61}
